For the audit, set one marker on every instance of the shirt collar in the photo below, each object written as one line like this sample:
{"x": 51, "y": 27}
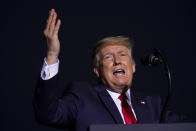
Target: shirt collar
{"x": 115, "y": 95}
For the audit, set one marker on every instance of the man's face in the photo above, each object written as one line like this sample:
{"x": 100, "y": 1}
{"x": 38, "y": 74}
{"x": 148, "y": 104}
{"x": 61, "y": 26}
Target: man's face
{"x": 116, "y": 67}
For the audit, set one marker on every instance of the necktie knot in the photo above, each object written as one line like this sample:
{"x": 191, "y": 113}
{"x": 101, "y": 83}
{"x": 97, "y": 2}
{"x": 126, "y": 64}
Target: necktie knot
{"x": 122, "y": 97}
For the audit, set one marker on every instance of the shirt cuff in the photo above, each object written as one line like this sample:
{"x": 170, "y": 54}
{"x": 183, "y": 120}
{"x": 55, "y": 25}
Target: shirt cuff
{"x": 49, "y": 71}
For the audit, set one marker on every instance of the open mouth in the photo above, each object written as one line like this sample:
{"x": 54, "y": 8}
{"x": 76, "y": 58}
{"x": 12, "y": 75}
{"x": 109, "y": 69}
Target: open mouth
{"x": 119, "y": 72}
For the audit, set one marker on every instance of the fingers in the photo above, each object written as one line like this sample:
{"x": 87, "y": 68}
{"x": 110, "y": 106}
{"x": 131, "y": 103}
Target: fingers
{"x": 53, "y": 21}
{"x": 56, "y": 29}
{"x": 52, "y": 27}
{"x": 49, "y": 19}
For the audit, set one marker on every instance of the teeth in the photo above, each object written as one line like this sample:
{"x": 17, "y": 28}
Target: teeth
{"x": 119, "y": 71}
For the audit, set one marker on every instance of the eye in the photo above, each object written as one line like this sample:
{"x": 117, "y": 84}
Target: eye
{"x": 123, "y": 54}
{"x": 108, "y": 57}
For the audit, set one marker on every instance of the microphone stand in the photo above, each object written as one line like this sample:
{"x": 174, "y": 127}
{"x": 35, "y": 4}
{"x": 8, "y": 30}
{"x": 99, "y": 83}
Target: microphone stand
{"x": 156, "y": 59}
{"x": 168, "y": 75}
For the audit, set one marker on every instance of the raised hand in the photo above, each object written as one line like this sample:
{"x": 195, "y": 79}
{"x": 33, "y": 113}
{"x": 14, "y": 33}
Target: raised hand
{"x": 51, "y": 34}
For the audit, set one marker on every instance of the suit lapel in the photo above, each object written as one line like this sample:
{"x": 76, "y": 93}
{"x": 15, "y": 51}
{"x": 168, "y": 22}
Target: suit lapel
{"x": 109, "y": 103}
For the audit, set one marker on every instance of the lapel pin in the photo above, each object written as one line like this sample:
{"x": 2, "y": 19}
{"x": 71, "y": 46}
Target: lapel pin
{"x": 143, "y": 102}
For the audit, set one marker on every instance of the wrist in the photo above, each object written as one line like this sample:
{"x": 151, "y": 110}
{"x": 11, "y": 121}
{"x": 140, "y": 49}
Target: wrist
{"x": 51, "y": 58}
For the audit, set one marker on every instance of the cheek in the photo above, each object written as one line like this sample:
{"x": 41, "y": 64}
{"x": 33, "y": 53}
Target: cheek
{"x": 107, "y": 65}
{"x": 107, "y": 69}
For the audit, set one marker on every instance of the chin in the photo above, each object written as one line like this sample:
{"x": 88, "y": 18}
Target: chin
{"x": 122, "y": 85}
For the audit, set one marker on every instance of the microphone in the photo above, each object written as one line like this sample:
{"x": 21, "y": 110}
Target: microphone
{"x": 153, "y": 59}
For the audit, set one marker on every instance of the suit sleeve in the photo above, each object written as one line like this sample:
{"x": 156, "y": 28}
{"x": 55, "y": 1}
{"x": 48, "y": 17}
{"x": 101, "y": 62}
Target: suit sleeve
{"x": 54, "y": 106}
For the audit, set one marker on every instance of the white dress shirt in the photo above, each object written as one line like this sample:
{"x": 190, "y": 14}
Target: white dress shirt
{"x": 117, "y": 101}
{"x": 49, "y": 71}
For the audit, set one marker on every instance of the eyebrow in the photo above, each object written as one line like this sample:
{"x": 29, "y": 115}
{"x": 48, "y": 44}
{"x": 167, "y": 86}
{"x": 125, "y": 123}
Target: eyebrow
{"x": 120, "y": 51}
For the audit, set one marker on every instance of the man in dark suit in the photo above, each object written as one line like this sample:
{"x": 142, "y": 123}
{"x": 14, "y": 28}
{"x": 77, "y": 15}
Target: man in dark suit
{"x": 81, "y": 104}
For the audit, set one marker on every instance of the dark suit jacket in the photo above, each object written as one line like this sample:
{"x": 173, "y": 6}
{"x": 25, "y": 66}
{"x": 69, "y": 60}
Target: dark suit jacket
{"x": 81, "y": 105}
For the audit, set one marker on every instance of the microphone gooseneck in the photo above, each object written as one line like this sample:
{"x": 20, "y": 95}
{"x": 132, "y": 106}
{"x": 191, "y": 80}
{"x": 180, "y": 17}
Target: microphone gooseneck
{"x": 154, "y": 59}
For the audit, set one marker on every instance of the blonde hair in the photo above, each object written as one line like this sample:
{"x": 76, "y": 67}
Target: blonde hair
{"x": 121, "y": 40}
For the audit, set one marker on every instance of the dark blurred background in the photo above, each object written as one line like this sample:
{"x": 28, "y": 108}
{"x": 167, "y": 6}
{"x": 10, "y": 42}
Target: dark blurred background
{"x": 165, "y": 24}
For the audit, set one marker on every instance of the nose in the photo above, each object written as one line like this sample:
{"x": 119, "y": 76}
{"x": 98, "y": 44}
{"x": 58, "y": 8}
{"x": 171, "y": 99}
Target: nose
{"x": 117, "y": 60}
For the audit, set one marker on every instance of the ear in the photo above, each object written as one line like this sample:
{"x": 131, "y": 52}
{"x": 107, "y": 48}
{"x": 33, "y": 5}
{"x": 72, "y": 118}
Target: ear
{"x": 133, "y": 68}
{"x": 96, "y": 71}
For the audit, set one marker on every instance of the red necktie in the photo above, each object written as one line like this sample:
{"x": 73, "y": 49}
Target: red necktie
{"x": 126, "y": 110}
